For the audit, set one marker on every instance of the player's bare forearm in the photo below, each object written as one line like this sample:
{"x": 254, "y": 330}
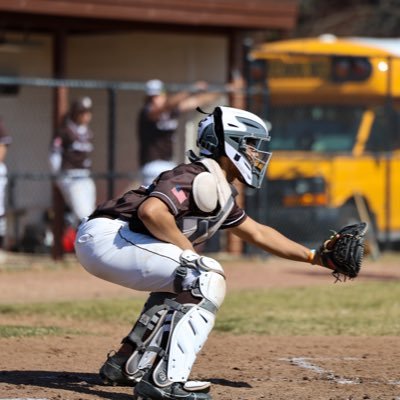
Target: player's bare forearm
{"x": 271, "y": 241}
{"x": 3, "y": 152}
{"x": 174, "y": 100}
{"x": 157, "y": 218}
{"x": 199, "y": 100}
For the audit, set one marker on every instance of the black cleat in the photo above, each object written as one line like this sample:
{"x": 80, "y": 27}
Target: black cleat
{"x": 112, "y": 372}
{"x": 145, "y": 390}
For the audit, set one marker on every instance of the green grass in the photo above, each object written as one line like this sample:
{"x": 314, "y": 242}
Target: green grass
{"x": 7, "y": 331}
{"x": 342, "y": 309}
{"x": 116, "y": 310}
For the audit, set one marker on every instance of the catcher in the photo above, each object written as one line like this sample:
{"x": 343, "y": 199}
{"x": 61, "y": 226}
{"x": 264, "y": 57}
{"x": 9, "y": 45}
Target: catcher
{"x": 145, "y": 241}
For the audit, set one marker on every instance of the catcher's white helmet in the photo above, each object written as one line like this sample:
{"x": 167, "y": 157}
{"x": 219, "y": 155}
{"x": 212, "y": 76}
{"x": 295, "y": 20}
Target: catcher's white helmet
{"x": 239, "y": 135}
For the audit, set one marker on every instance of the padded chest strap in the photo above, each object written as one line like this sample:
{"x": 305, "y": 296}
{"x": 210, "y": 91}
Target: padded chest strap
{"x": 216, "y": 180}
{"x": 210, "y": 189}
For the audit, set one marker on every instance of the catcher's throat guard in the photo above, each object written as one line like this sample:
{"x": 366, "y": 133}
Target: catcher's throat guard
{"x": 343, "y": 252}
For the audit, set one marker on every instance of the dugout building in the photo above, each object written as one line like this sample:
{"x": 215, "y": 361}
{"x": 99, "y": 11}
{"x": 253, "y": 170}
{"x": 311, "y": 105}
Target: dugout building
{"x": 54, "y": 50}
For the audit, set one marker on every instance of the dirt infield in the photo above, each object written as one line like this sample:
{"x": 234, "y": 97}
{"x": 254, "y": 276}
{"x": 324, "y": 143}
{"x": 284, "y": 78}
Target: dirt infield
{"x": 245, "y": 368}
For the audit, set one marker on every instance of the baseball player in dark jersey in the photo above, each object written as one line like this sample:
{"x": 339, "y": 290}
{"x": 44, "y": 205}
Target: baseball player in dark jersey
{"x": 70, "y": 159}
{"x": 5, "y": 141}
{"x": 144, "y": 241}
{"x": 158, "y": 122}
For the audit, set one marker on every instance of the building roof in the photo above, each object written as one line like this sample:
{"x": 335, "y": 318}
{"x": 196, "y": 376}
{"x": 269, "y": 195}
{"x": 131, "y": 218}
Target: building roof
{"x": 237, "y": 14}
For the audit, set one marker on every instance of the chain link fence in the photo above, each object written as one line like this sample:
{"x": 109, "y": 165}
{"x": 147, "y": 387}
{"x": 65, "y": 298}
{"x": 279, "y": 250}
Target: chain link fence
{"x": 27, "y": 108}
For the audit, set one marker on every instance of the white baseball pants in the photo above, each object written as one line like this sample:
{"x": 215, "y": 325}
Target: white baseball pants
{"x": 3, "y": 185}
{"x": 79, "y": 191}
{"x": 108, "y": 249}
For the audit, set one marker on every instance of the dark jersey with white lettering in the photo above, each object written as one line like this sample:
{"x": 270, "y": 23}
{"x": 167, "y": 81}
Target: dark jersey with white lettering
{"x": 76, "y": 146}
{"x": 5, "y": 138}
{"x": 156, "y": 137}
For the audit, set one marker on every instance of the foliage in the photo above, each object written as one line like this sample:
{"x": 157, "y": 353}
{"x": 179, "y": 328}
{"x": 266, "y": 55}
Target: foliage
{"x": 375, "y": 18}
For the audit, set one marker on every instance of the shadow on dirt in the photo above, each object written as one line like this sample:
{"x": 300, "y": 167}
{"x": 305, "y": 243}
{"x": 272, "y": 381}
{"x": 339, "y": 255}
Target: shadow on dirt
{"x": 365, "y": 276}
{"x": 85, "y": 383}
{"x": 73, "y": 381}
{"x": 225, "y": 382}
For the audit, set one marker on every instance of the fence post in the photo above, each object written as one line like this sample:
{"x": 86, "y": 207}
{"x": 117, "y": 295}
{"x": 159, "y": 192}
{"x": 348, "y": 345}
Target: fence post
{"x": 60, "y": 107}
{"x": 235, "y": 245}
{"x": 111, "y": 142}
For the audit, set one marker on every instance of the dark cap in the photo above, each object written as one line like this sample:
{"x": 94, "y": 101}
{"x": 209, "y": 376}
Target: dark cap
{"x": 81, "y": 105}
{"x": 5, "y": 138}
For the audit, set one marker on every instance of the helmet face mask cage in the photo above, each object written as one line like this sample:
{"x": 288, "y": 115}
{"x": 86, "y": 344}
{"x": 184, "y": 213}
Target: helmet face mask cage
{"x": 256, "y": 151}
{"x": 250, "y": 156}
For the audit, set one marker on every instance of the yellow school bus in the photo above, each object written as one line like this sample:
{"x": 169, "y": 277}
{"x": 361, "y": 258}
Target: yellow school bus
{"x": 334, "y": 108}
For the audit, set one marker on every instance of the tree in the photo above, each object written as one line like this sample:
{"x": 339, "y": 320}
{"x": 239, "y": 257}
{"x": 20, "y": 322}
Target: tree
{"x": 374, "y": 18}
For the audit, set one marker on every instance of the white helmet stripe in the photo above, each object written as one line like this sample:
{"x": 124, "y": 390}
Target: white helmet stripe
{"x": 231, "y": 121}
{"x": 242, "y": 163}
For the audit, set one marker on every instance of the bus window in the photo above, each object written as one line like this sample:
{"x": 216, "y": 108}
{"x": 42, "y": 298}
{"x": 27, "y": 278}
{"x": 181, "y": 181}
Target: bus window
{"x": 334, "y": 107}
{"x": 324, "y": 129}
{"x": 384, "y": 132}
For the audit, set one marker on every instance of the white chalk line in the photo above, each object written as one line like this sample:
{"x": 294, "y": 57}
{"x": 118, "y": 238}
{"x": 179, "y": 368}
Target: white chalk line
{"x": 304, "y": 362}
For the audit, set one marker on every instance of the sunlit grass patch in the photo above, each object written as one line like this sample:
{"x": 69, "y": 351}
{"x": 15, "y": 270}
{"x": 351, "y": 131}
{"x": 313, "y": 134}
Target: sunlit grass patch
{"x": 8, "y": 331}
{"x": 341, "y": 309}
{"x": 366, "y": 309}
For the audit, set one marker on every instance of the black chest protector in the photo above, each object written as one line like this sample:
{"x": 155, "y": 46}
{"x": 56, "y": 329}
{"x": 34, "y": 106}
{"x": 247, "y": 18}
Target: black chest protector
{"x": 212, "y": 194}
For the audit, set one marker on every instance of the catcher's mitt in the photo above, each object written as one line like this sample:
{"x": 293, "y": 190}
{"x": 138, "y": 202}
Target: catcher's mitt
{"x": 343, "y": 252}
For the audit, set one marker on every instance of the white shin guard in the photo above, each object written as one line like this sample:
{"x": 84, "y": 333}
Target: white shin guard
{"x": 190, "y": 327}
{"x": 187, "y": 339}
{"x": 183, "y": 327}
